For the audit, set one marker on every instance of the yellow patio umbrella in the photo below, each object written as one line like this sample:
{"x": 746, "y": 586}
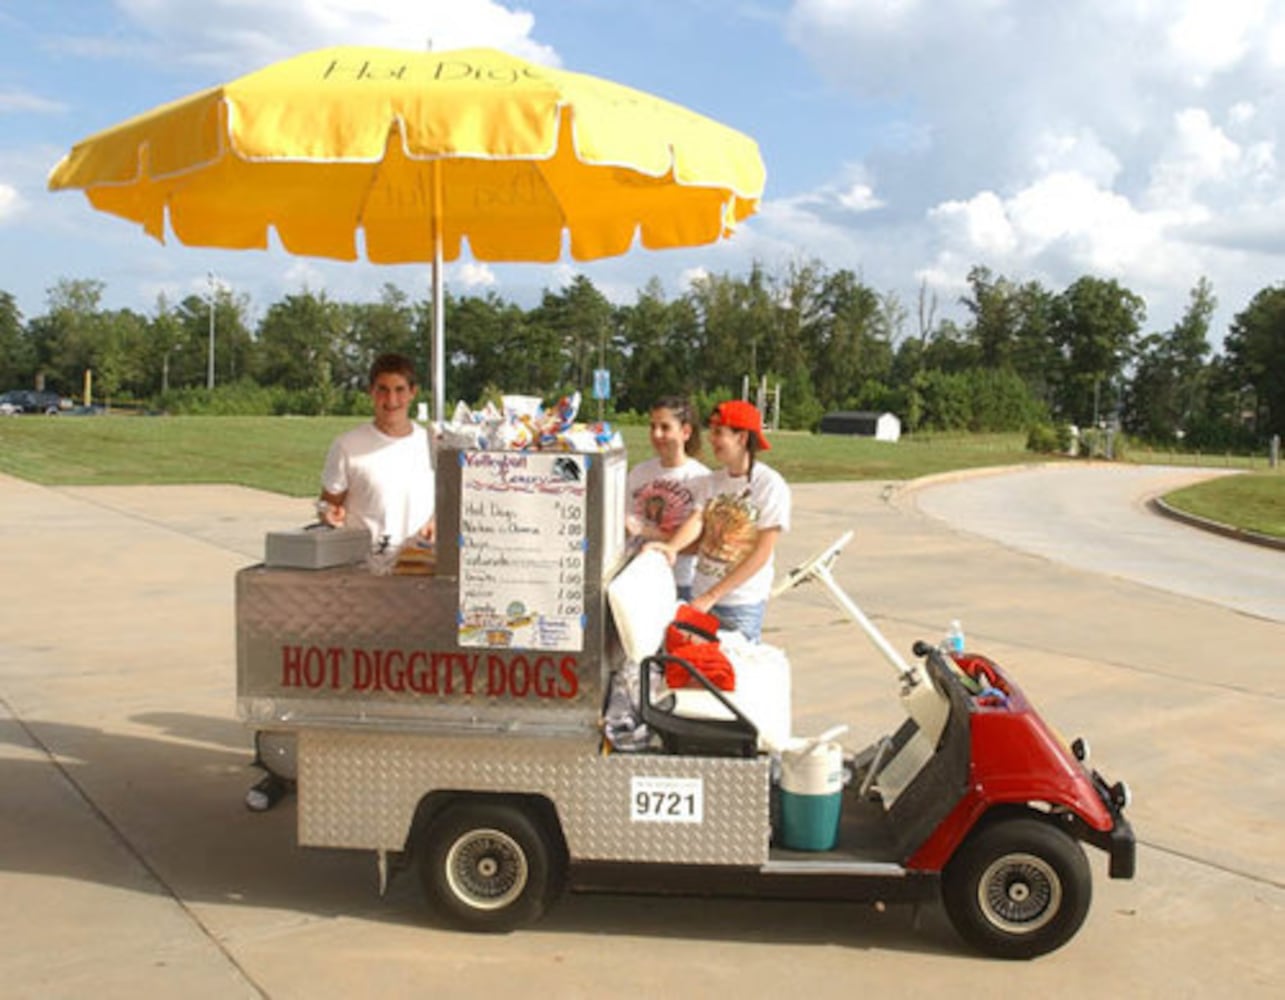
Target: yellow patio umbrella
{"x": 418, "y": 151}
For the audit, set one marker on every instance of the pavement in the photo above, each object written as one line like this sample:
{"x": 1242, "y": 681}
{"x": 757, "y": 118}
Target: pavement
{"x": 1099, "y": 518}
{"x": 128, "y": 865}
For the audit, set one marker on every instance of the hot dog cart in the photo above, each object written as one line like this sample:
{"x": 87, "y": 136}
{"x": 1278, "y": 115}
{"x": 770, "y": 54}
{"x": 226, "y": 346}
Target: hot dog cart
{"x": 454, "y": 722}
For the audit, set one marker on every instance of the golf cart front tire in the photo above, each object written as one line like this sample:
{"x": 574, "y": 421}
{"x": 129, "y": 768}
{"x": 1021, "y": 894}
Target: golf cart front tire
{"x": 1018, "y": 888}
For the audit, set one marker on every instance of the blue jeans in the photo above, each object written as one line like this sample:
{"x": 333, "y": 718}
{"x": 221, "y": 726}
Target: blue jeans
{"x": 744, "y": 618}
{"x": 685, "y": 593}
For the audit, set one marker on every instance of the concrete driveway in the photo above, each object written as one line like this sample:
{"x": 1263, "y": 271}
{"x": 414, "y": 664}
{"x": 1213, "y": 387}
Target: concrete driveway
{"x": 1095, "y": 517}
{"x": 129, "y": 867}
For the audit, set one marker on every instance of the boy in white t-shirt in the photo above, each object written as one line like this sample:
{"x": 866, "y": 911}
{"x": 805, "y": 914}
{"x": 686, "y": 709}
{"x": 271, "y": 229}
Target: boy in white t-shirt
{"x": 380, "y": 475}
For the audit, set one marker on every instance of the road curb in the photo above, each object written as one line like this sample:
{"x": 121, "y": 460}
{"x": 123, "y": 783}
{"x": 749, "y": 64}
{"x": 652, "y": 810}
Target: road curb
{"x": 895, "y": 491}
{"x": 1158, "y": 506}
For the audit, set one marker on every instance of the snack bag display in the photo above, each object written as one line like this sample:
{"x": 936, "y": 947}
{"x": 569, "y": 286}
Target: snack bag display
{"x": 523, "y": 423}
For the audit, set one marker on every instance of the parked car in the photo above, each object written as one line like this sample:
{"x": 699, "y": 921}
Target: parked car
{"x": 31, "y": 401}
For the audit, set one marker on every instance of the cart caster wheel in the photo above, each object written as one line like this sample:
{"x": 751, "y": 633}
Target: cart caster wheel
{"x": 266, "y": 793}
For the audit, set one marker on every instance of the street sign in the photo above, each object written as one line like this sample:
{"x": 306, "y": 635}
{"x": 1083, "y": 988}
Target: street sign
{"x": 602, "y": 383}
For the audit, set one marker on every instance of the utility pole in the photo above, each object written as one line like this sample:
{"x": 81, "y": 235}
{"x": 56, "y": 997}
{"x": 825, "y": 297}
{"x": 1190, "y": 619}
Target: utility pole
{"x": 209, "y": 371}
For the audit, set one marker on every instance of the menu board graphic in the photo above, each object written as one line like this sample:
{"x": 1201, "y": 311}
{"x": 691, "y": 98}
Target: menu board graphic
{"x": 522, "y": 550}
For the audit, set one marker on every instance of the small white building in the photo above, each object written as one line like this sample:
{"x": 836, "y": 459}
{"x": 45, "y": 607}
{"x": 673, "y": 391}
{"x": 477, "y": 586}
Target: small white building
{"x": 864, "y": 423}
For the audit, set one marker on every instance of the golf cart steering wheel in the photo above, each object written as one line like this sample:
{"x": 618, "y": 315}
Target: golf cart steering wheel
{"x": 808, "y": 569}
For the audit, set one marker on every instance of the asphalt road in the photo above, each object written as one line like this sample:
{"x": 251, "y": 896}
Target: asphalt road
{"x": 128, "y": 866}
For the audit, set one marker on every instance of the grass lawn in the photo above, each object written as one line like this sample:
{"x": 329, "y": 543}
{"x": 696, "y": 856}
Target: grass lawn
{"x": 281, "y": 454}
{"x": 1254, "y": 502}
{"x": 284, "y": 455}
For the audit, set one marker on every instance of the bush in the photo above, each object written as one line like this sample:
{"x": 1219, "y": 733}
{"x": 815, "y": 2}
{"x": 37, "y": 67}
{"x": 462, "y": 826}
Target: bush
{"x": 979, "y": 400}
{"x": 1043, "y": 440}
{"x": 249, "y": 399}
{"x": 1094, "y": 443}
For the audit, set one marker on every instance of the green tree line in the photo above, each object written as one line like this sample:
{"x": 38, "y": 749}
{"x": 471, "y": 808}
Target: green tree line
{"x": 1021, "y": 356}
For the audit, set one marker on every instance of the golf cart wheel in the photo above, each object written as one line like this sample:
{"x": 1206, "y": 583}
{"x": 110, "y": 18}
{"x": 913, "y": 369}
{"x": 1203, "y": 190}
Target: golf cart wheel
{"x": 487, "y": 866}
{"x": 1018, "y": 888}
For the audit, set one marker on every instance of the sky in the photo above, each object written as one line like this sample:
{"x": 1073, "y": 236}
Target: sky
{"x": 905, "y": 140}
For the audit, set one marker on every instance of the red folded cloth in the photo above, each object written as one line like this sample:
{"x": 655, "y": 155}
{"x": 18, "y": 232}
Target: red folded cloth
{"x": 693, "y": 636}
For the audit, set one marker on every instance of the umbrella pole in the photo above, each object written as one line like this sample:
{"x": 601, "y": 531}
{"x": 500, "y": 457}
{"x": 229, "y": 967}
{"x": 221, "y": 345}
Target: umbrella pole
{"x": 438, "y": 355}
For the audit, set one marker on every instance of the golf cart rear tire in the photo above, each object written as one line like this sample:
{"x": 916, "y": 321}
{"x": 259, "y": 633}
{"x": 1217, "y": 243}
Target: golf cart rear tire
{"x": 1018, "y": 888}
{"x": 488, "y": 866}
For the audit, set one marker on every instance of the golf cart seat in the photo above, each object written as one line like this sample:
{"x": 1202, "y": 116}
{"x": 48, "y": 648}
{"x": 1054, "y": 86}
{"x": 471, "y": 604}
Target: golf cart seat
{"x": 701, "y": 735}
{"x": 643, "y": 602}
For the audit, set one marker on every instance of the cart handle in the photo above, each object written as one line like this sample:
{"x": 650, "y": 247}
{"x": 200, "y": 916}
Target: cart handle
{"x": 812, "y": 568}
{"x": 660, "y": 660}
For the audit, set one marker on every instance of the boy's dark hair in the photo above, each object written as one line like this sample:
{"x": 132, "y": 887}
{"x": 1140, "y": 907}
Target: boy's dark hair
{"x": 682, "y": 408}
{"x": 394, "y": 364}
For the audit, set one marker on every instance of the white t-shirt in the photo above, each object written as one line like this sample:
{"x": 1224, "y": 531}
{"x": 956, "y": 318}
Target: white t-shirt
{"x": 663, "y": 497}
{"x": 735, "y": 511}
{"x": 389, "y": 481}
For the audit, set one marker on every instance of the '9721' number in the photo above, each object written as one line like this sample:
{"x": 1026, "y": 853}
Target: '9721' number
{"x": 666, "y": 800}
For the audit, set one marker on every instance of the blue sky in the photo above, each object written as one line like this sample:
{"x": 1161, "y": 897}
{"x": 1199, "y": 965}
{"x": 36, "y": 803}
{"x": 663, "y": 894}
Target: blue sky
{"x": 906, "y": 140}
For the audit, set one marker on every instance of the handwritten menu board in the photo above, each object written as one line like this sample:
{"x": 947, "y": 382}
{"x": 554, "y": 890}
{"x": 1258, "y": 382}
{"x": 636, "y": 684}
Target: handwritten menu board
{"x": 522, "y": 550}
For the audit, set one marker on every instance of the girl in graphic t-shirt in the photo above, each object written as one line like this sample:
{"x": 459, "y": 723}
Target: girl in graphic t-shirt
{"x": 660, "y": 489}
{"x": 742, "y": 508}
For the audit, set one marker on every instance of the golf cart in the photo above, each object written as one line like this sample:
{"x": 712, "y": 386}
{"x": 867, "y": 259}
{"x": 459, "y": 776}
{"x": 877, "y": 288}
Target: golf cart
{"x": 455, "y": 723}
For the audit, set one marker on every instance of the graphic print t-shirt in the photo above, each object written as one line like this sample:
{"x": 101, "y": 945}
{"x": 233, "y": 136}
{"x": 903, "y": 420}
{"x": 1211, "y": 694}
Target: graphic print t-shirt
{"x": 736, "y": 509}
{"x": 664, "y": 499}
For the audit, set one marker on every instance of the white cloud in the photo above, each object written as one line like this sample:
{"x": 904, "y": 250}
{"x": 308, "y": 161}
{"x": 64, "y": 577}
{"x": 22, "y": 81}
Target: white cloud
{"x": 785, "y": 224}
{"x": 981, "y": 223}
{"x": 235, "y": 36}
{"x": 619, "y": 292}
{"x": 1081, "y": 151}
{"x": 1135, "y": 140}
{"x": 471, "y": 275}
{"x": 1198, "y": 153}
{"x": 10, "y": 202}
{"x": 859, "y": 198}
{"x": 1059, "y": 227}
{"x": 300, "y": 275}
{"x": 1209, "y": 36}
{"x": 1242, "y": 113}
{"x": 1275, "y": 45}
{"x": 12, "y": 101}
{"x": 150, "y": 292}
{"x": 831, "y": 206}
{"x": 1099, "y": 230}
{"x": 562, "y": 274}
{"x": 692, "y": 276}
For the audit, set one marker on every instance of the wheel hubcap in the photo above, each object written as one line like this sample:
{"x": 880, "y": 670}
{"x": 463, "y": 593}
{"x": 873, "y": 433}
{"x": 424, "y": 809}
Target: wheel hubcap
{"x": 486, "y": 869}
{"x": 1019, "y": 893}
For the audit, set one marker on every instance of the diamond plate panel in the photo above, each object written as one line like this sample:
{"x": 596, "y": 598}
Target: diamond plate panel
{"x": 359, "y": 789}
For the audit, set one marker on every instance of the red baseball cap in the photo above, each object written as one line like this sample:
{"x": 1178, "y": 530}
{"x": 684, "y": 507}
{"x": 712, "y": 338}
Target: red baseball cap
{"x": 741, "y": 416}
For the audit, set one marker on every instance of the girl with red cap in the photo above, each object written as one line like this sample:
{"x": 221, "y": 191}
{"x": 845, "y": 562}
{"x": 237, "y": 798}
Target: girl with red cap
{"x": 660, "y": 489}
{"x": 742, "y": 508}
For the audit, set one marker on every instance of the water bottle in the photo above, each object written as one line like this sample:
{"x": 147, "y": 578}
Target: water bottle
{"x": 955, "y": 638}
